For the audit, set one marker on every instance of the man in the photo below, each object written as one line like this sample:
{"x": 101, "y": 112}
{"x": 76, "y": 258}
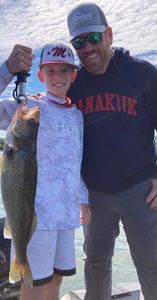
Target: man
{"x": 118, "y": 96}
{"x": 19, "y": 60}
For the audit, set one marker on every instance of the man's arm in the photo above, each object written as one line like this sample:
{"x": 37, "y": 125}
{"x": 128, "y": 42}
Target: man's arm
{"x": 19, "y": 60}
{"x": 5, "y": 77}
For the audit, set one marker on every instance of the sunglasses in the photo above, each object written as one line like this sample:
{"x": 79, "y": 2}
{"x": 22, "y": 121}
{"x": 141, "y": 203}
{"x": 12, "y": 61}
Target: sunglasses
{"x": 92, "y": 38}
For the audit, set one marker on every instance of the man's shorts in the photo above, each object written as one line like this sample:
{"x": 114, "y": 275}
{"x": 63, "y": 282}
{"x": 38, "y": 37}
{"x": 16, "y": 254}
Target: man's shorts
{"x": 50, "y": 252}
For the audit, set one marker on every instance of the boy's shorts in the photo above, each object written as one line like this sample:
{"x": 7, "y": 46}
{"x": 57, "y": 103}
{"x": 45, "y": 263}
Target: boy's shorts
{"x": 50, "y": 252}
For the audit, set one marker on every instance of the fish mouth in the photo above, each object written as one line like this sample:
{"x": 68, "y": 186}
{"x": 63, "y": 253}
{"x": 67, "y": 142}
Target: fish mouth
{"x": 34, "y": 113}
{"x": 31, "y": 113}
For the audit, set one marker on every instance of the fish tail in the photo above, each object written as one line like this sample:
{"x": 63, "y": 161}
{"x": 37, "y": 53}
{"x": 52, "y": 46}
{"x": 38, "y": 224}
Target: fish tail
{"x": 20, "y": 272}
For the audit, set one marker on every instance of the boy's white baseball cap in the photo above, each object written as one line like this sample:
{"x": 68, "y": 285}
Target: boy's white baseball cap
{"x": 57, "y": 52}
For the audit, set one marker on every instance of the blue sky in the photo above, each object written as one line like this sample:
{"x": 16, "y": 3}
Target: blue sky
{"x": 34, "y": 22}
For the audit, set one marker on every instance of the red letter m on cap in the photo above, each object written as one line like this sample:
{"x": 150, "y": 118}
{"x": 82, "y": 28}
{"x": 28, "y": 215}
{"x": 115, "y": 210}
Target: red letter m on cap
{"x": 59, "y": 51}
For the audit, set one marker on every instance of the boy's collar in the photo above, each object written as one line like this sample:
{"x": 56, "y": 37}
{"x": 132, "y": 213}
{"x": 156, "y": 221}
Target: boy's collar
{"x": 62, "y": 102}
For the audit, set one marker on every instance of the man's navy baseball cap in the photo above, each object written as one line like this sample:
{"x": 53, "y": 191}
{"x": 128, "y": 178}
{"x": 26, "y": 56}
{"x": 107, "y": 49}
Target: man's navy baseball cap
{"x": 86, "y": 17}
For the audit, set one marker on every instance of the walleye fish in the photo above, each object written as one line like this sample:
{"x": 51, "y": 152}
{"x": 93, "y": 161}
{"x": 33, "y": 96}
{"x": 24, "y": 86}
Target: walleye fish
{"x": 18, "y": 187}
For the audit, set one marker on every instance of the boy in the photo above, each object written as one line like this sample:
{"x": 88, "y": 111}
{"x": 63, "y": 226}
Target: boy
{"x": 59, "y": 186}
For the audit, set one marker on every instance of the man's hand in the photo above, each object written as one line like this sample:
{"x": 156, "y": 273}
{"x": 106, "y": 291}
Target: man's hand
{"x": 20, "y": 59}
{"x": 151, "y": 199}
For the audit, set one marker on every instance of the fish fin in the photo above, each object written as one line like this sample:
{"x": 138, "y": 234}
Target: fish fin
{"x": 33, "y": 226}
{"x": 20, "y": 272}
{"x": 6, "y": 230}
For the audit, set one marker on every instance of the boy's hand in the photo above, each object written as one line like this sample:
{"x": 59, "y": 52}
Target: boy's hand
{"x": 85, "y": 214}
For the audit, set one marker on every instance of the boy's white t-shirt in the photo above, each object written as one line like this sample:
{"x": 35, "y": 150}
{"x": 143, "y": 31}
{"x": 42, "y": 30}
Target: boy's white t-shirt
{"x": 60, "y": 189}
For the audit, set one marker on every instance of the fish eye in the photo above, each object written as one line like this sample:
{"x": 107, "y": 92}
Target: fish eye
{"x": 31, "y": 121}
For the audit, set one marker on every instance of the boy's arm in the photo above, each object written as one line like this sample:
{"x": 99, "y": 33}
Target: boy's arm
{"x": 85, "y": 212}
{"x": 83, "y": 192}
